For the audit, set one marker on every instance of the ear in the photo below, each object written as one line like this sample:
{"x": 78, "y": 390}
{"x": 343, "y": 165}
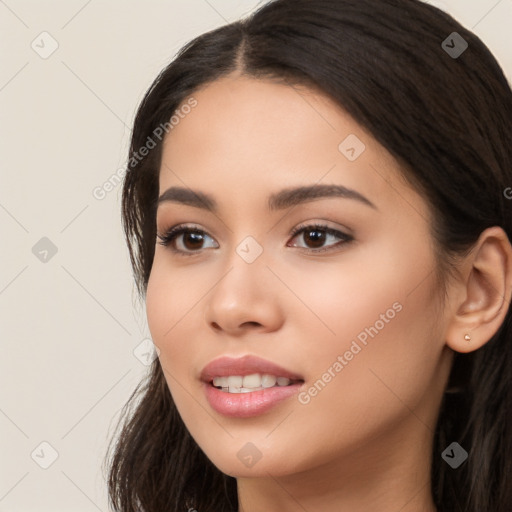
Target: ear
{"x": 482, "y": 295}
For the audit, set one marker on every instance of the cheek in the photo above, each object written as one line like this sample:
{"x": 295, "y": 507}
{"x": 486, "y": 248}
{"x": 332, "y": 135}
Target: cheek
{"x": 360, "y": 299}
{"x": 170, "y": 298}
{"x": 374, "y": 335}
{"x": 174, "y": 315}
{"x": 372, "y": 379}
{"x": 173, "y": 311}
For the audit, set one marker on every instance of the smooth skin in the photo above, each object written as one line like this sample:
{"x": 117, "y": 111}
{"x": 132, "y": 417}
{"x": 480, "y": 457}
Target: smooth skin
{"x": 364, "y": 441}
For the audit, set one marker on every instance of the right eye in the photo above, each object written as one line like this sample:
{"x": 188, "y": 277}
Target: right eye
{"x": 191, "y": 242}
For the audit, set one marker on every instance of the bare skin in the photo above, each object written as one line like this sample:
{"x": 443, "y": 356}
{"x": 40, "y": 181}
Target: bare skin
{"x": 363, "y": 442}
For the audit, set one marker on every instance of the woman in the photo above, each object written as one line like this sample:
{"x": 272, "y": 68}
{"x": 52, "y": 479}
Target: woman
{"x": 317, "y": 209}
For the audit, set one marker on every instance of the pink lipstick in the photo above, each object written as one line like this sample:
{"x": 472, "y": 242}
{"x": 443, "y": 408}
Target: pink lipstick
{"x": 247, "y": 386}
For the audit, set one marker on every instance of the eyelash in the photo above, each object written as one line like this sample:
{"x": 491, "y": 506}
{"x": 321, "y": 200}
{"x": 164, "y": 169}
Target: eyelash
{"x": 169, "y": 237}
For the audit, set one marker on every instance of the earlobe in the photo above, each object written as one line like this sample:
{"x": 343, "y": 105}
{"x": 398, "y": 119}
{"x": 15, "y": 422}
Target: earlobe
{"x": 484, "y": 292}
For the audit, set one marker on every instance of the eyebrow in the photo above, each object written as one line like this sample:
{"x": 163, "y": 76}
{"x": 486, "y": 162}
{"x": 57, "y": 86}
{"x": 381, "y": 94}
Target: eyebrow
{"x": 281, "y": 200}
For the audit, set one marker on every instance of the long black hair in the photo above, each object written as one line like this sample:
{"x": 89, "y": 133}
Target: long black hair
{"x": 444, "y": 111}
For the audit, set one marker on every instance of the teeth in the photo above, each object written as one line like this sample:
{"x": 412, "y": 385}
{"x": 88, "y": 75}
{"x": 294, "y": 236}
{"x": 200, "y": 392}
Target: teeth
{"x": 220, "y": 382}
{"x": 267, "y": 381}
{"x": 235, "y": 381}
{"x": 251, "y": 381}
{"x": 248, "y": 383}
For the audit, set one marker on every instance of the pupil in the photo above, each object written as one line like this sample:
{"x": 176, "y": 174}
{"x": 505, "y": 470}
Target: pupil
{"x": 194, "y": 236}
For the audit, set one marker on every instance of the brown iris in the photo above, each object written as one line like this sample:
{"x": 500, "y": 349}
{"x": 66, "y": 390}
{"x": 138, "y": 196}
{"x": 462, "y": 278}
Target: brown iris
{"x": 319, "y": 239}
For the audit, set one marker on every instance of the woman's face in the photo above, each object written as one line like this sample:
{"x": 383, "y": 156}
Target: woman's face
{"x": 352, "y": 312}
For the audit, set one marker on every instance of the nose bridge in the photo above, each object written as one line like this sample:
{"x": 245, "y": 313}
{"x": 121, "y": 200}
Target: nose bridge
{"x": 246, "y": 268}
{"x": 247, "y": 236}
{"x": 242, "y": 296}
{"x": 249, "y": 250}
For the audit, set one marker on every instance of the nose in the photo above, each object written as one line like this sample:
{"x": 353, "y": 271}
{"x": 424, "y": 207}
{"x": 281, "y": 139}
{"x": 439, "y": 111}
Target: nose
{"x": 245, "y": 299}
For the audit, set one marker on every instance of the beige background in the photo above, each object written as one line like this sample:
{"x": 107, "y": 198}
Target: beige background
{"x": 71, "y": 327}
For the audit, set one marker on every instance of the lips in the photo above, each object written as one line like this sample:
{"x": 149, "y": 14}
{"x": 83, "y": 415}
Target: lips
{"x": 237, "y": 404}
{"x": 246, "y": 365}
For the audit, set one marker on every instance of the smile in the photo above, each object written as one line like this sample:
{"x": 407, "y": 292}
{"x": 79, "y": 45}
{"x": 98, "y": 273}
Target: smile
{"x": 249, "y": 383}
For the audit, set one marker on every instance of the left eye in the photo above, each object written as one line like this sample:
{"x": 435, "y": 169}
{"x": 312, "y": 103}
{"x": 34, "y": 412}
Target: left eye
{"x": 191, "y": 242}
{"x": 319, "y": 234}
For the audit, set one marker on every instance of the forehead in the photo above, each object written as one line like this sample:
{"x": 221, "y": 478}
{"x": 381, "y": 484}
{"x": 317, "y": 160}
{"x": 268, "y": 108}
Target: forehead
{"x": 248, "y": 137}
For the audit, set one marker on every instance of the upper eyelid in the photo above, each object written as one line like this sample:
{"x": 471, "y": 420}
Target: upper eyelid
{"x": 319, "y": 225}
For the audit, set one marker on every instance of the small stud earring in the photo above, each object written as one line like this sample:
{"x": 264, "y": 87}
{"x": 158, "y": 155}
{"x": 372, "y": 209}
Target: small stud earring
{"x": 467, "y": 337}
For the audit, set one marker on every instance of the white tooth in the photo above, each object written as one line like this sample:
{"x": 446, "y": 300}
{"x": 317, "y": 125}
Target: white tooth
{"x": 234, "y": 389}
{"x": 283, "y": 381}
{"x": 235, "y": 381}
{"x": 245, "y": 390}
{"x": 252, "y": 381}
{"x": 220, "y": 381}
{"x": 267, "y": 381}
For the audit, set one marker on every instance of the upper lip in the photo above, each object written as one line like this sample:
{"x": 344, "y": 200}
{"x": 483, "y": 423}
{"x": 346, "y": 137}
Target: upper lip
{"x": 246, "y": 365}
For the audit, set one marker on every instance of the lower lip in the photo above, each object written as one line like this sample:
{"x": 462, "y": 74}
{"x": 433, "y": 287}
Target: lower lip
{"x": 246, "y": 405}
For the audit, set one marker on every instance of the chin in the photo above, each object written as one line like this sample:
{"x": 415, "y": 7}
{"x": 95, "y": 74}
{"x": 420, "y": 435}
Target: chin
{"x": 246, "y": 462}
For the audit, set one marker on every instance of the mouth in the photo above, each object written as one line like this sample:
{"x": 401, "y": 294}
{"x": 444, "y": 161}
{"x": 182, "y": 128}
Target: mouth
{"x": 247, "y": 386}
{"x": 251, "y": 383}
